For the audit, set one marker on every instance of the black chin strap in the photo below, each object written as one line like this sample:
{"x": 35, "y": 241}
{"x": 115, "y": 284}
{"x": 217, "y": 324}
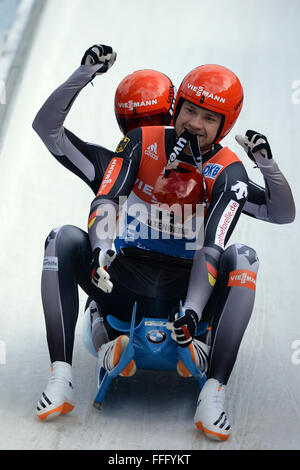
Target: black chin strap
{"x": 177, "y": 150}
{"x": 196, "y": 151}
{"x": 186, "y": 138}
{"x": 197, "y": 156}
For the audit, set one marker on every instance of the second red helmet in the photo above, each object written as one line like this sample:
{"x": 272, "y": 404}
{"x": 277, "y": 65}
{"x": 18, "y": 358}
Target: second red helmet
{"x": 144, "y": 98}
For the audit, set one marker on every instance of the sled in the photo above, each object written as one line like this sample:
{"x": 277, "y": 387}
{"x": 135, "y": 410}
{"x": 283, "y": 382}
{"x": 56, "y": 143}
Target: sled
{"x": 151, "y": 347}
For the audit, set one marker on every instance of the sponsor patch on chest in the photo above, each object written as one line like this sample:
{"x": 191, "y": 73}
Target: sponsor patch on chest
{"x": 211, "y": 170}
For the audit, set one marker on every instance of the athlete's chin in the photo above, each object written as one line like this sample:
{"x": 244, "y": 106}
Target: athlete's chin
{"x": 204, "y": 147}
{"x": 204, "y": 144}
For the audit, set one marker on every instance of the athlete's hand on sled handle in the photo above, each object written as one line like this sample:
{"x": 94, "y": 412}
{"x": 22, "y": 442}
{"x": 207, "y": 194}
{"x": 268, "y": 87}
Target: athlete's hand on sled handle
{"x": 99, "y": 54}
{"x": 255, "y": 145}
{"x": 100, "y": 261}
{"x": 183, "y": 329}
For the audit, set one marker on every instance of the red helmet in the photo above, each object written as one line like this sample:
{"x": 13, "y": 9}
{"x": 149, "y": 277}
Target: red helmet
{"x": 144, "y": 98}
{"x": 215, "y": 88}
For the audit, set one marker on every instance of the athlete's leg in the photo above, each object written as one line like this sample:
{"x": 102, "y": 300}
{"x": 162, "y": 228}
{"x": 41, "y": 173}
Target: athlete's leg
{"x": 232, "y": 305}
{"x": 235, "y": 295}
{"x": 66, "y": 264}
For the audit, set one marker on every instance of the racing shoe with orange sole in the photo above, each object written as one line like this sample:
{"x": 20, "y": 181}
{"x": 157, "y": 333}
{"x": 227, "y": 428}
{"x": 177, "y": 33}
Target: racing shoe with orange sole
{"x": 58, "y": 396}
{"x": 210, "y": 416}
{"x": 110, "y": 353}
{"x": 199, "y": 352}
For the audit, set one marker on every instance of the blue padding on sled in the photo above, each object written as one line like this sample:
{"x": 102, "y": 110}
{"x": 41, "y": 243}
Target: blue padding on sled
{"x": 152, "y": 347}
{"x": 124, "y": 326}
{"x": 119, "y": 325}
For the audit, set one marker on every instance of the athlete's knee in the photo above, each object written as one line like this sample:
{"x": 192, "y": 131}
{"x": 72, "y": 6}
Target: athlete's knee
{"x": 67, "y": 237}
{"x": 238, "y": 267}
{"x": 239, "y": 257}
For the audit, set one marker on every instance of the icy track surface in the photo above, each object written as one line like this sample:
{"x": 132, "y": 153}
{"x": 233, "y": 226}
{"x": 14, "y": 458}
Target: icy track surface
{"x": 151, "y": 410}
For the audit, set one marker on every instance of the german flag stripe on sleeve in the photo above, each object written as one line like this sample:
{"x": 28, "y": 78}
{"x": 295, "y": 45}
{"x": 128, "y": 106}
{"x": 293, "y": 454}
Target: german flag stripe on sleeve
{"x": 212, "y": 274}
{"x": 92, "y": 218}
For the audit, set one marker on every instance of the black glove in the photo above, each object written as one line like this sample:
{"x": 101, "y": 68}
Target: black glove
{"x": 99, "y": 54}
{"x": 255, "y": 144}
{"x": 184, "y": 328}
{"x": 99, "y": 276}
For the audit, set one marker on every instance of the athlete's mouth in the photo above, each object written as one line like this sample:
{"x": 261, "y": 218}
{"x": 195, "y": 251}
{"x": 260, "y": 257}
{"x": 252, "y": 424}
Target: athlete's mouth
{"x": 194, "y": 133}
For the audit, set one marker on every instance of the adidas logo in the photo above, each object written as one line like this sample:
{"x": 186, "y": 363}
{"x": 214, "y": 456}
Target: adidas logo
{"x": 151, "y": 151}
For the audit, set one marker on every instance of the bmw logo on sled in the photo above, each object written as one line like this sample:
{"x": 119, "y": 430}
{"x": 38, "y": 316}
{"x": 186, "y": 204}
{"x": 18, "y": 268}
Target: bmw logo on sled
{"x": 151, "y": 347}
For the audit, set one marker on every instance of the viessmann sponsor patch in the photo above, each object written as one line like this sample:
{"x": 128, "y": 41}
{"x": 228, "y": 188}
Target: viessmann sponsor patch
{"x": 225, "y": 222}
{"x": 242, "y": 278}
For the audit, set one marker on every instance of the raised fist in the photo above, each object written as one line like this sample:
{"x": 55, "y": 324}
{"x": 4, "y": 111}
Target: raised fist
{"x": 255, "y": 145}
{"x": 99, "y": 54}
